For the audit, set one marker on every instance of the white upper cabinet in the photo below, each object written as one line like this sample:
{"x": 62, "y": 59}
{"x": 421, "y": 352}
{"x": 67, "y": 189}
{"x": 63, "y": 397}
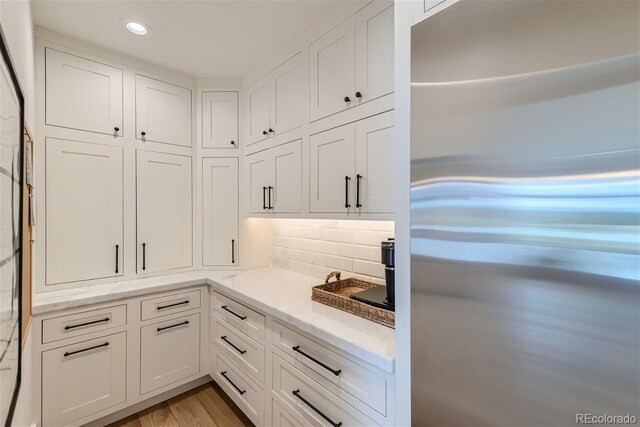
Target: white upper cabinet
{"x": 219, "y": 119}
{"x": 332, "y": 69}
{"x": 258, "y": 178}
{"x": 220, "y": 211}
{"x": 331, "y": 170}
{"x": 274, "y": 103}
{"x": 84, "y": 205}
{"x": 82, "y": 94}
{"x": 374, "y": 50}
{"x": 164, "y": 211}
{"x": 163, "y": 112}
{"x": 374, "y": 163}
{"x": 353, "y": 63}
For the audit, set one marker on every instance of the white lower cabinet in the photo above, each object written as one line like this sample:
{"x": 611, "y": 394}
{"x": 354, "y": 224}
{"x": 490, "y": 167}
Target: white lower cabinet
{"x": 169, "y": 352}
{"x": 283, "y": 418}
{"x": 83, "y": 378}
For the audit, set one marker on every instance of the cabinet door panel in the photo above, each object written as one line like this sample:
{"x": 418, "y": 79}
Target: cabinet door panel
{"x": 374, "y": 154}
{"x": 331, "y": 159}
{"x": 82, "y": 94}
{"x": 259, "y": 175}
{"x": 163, "y": 112}
{"x": 220, "y": 211}
{"x": 287, "y": 176}
{"x": 84, "y": 203}
{"x": 374, "y": 50}
{"x": 332, "y": 71}
{"x": 164, "y": 214}
{"x": 81, "y": 379}
{"x": 219, "y": 119}
{"x": 169, "y": 352}
{"x": 287, "y": 96}
{"x": 258, "y": 111}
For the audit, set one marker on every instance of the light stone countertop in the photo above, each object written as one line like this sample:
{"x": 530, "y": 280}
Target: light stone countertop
{"x": 283, "y": 294}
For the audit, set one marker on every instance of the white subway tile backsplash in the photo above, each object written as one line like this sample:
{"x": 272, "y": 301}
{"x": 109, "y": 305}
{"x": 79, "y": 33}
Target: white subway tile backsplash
{"x": 316, "y": 247}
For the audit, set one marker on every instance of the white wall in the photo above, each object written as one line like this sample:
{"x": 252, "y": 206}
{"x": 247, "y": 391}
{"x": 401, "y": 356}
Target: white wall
{"x": 318, "y": 246}
{"x": 17, "y": 24}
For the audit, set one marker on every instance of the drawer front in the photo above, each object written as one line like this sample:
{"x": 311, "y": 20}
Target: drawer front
{"x": 280, "y": 417}
{"x": 242, "y": 317}
{"x": 242, "y": 390}
{"x": 170, "y": 304}
{"x": 247, "y": 354}
{"x": 169, "y": 352}
{"x": 84, "y": 378}
{"x": 310, "y": 356}
{"x": 73, "y": 325}
{"x": 312, "y": 401}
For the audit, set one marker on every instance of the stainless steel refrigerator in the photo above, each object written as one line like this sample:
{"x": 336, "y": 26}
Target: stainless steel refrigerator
{"x": 525, "y": 194}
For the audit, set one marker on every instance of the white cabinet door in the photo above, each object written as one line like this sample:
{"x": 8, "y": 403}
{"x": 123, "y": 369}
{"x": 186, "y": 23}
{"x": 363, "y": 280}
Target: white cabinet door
{"x": 286, "y": 112}
{"x": 258, "y": 108}
{"x": 331, "y": 170}
{"x": 286, "y": 194}
{"x": 82, "y": 94}
{"x": 220, "y": 211}
{"x": 219, "y": 119}
{"x": 84, "y": 202}
{"x": 374, "y": 163}
{"x": 163, "y": 112}
{"x": 81, "y": 379}
{"x": 258, "y": 176}
{"x": 169, "y": 352}
{"x": 164, "y": 211}
{"x": 332, "y": 71}
{"x": 374, "y": 50}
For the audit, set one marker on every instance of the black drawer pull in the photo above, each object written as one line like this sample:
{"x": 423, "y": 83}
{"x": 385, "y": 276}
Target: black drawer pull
{"x": 79, "y": 325}
{"x": 224, "y": 338}
{"x": 335, "y": 372}
{"x": 144, "y": 256}
{"x": 233, "y": 251}
{"x": 264, "y": 198}
{"x": 346, "y": 191}
{"x": 358, "y": 178}
{"x": 224, "y": 307}
{"x": 117, "y": 247}
{"x": 296, "y": 393}
{"x": 70, "y": 353}
{"x": 186, "y": 322}
{"x": 270, "y": 188}
{"x": 224, "y": 374}
{"x": 162, "y": 307}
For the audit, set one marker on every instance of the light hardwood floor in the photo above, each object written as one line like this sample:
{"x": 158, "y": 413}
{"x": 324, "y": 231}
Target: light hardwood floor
{"x": 205, "y": 406}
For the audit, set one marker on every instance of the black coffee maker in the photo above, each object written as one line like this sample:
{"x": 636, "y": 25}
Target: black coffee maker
{"x": 382, "y": 296}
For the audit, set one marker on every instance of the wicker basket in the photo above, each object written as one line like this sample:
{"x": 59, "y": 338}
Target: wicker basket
{"x": 336, "y": 294}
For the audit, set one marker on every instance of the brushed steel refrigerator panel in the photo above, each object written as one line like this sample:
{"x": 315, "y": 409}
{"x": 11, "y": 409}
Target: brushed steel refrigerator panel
{"x": 525, "y": 213}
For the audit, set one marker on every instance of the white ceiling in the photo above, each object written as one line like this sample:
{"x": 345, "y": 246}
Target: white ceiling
{"x": 204, "y": 39}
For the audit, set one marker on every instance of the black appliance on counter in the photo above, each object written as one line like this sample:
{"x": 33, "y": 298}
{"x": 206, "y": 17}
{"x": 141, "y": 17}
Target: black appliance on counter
{"x": 382, "y": 296}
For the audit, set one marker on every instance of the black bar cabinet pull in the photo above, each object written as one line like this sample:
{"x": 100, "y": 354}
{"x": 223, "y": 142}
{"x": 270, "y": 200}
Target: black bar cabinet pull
{"x": 270, "y": 188}
{"x": 233, "y": 251}
{"x": 144, "y": 256}
{"x": 70, "y": 353}
{"x": 79, "y": 325}
{"x": 224, "y": 338}
{"x": 358, "y": 178}
{"x": 346, "y": 192}
{"x": 224, "y": 374}
{"x": 117, "y": 247}
{"x": 333, "y": 371}
{"x": 186, "y": 322}
{"x": 224, "y": 307}
{"x": 296, "y": 393}
{"x": 162, "y": 307}
{"x": 264, "y": 198}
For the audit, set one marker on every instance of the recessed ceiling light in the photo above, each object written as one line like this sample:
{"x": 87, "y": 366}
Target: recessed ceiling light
{"x": 136, "y": 27}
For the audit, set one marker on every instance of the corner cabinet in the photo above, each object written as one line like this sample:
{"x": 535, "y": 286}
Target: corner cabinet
{"x": 164, "y": 211}
{"x": 351, "y": 167}
{"x": 353, "y": 63}
{"x": 219, "y": 119}
{"x": 274, "y": 179}
{"x": 220, "y": 237}
{"x": 163, "y": 112}
{"x": 84, "y": 223}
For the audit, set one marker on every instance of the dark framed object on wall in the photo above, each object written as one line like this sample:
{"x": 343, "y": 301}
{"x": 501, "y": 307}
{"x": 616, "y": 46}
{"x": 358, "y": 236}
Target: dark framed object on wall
{"x": 11, "y": 217}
